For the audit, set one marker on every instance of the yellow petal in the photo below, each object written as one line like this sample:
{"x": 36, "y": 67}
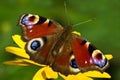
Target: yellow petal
{"x": 75, "y": 32}
{"x": 22, "y": 62}
{"x": 97, "y": 74}
{"x": 17, "y": 51}
{"x": 40, "y": 75}
{"x": 78, "y": 76}
{"x": 50, "y": 73}
{"x": 32, "y": 62}
{"x": 18, "y": 41}
{"x": 17, "y": 62}
{"x": 109, "y": 56}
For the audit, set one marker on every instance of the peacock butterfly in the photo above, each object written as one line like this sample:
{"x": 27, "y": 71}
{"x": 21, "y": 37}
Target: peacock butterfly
{"x": 50, "y": 44}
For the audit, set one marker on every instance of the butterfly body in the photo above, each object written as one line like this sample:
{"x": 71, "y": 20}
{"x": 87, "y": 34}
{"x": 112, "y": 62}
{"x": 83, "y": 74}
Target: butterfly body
{"x": 50, "y": 44}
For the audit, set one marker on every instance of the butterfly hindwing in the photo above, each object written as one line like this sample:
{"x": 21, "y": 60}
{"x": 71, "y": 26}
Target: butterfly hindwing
{"x": 40, "y": 49}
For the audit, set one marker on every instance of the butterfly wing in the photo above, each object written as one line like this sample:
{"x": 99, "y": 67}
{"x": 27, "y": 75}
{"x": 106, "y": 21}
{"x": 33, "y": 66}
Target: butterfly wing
{"x": 87, "y": 56}
{"x": 34, "y": 26}
{"x": 40, "y": 34}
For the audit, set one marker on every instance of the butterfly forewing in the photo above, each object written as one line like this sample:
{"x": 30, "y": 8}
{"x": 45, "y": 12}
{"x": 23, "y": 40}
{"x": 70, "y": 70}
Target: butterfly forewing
{"x": 35, "y": 26}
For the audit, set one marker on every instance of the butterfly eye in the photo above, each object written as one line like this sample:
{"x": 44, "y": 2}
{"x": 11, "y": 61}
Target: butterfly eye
{"x": 35, "y": 44}
{"x": 99, "y": 59}
{"x": 73, "y": 65}
{"x": 29, "y": 19}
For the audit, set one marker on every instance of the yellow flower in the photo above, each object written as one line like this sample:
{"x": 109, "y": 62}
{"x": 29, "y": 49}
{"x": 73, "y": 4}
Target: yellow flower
{"x": 46, "y": 72}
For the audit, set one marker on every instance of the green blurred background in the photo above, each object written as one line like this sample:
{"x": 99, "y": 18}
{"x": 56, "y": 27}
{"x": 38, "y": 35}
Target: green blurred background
{"x": 104, "y": 32}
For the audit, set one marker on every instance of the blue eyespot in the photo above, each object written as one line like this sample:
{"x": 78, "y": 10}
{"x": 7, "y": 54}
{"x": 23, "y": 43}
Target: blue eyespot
{"x": 35, "y": 45}
{"x": 24, "y": 19}
{"x": 73, "y": 63}
{"x": 100, "y": 63}
{"x": 28, "y": 20}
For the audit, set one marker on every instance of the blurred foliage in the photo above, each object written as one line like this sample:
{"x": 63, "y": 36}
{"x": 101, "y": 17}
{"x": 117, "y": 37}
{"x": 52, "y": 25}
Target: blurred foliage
{"x": 102, "y": 32}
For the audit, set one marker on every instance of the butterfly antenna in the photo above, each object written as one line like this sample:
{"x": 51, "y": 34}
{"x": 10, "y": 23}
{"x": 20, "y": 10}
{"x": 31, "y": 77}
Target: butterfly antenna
{"x": 84, "y": 22}
{"x": 66, "y": 12}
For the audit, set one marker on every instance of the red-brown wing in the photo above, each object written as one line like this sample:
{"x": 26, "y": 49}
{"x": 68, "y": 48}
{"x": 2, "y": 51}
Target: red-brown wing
{"x": 34, "y": 26}
{"x": 87, "y": 56}
{"x": 82, "y": 56}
